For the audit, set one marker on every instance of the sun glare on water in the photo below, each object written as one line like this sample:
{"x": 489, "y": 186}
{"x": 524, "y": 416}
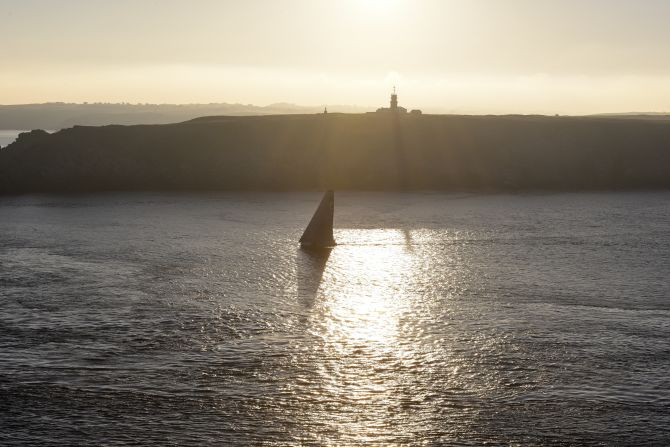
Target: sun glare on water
{"x": 368, "y": 319}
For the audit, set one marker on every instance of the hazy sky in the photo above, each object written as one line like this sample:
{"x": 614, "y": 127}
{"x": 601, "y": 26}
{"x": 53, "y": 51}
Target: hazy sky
{"x": 468, "y": 56}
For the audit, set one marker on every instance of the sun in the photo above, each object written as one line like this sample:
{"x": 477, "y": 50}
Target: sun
{"x": 379, "y": 7}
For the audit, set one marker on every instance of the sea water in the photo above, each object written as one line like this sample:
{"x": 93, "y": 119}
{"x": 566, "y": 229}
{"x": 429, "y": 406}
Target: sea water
{"x": 8, "y": 136}
{"x": 177, "y": 319}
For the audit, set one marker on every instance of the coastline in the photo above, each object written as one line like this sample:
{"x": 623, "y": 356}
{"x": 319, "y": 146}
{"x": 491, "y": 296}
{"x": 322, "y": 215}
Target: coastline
{"x": 357, "y": 152}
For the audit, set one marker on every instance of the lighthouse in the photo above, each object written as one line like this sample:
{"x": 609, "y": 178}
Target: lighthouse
{"x": 394, "y": 100}
{"x": 395, "y": 108}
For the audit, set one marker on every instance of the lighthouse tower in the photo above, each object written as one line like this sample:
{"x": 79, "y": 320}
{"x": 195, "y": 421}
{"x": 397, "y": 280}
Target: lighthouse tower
{"x": 394, "y": 100}
{"x": 395, "y": 108}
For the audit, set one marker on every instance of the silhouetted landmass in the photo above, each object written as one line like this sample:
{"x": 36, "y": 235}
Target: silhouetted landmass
{"x": 338, "y": 151}
{"x": 58, "y": 115}
{"x": 636, "y": 115}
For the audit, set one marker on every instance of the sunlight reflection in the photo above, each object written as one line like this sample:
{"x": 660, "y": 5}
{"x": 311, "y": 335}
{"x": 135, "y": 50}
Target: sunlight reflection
{"x": 377, "y": 319}
{"x": 363, "y": 300}
{"x": 363, "y": 288}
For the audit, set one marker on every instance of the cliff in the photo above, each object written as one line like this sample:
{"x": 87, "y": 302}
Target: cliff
{"x": 337, "y": 151}
{"x": 57, "y": 115}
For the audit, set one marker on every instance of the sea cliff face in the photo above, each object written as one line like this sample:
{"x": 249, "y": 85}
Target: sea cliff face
{"x": 338, "y": 151}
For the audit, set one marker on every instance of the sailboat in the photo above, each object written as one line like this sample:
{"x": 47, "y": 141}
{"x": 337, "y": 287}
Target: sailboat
{"x": 319, "y": 232}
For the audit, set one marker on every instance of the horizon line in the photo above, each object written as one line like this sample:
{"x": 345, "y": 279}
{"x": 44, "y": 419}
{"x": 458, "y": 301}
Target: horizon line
{"x": 363, "y": 108}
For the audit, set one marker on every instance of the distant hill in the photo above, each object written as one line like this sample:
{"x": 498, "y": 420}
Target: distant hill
{"x": 344, "y": 151}
{"x": 55, "y": 116}
{"x": 636, "y": 115}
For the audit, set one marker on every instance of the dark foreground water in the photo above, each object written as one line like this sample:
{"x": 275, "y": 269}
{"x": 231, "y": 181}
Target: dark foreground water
{"x": 440, "y": 319}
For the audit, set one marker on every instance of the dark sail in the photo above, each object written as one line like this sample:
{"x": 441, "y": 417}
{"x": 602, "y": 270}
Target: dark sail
{"x": 319, "y": 232}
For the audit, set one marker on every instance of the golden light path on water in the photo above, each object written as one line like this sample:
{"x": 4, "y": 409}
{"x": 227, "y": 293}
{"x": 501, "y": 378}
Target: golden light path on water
{"x": 363, "y": 290}
{"x": 372, "y": 316}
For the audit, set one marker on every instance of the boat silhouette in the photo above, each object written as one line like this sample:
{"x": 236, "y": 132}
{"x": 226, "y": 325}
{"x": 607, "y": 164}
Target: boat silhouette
{"x": 319, "y": 231}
